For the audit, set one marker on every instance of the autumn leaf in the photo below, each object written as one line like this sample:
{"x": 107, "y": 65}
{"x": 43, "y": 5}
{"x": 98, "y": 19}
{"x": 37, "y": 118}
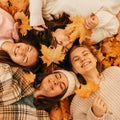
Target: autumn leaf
{"x": 30, "y": 77}
{"x": 24, "y": 26}
{"x": 77, "y": 29}
{"x": 19, "y": 5}
{"x": 65, "y": 109}
{"x": 86, "y": 90}
{"x": 52, "y": 54}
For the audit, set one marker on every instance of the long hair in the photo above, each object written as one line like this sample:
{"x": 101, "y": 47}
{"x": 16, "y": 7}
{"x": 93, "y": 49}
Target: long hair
{"x": 67, "y": 61}
{"x": 46, "y": 36}
{"x": 44, "y": 102}
{"x": 31, "y": 39}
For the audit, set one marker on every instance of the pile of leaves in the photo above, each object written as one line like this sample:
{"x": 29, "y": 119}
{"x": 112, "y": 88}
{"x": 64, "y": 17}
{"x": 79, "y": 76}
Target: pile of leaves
{"x": 108, "y": 52}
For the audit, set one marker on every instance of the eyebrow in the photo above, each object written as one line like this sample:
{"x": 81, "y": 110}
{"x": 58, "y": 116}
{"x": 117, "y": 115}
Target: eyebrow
{"x": 81, "y": 53}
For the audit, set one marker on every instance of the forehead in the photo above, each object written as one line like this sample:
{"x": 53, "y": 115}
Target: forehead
{"x": 79, "y": 50}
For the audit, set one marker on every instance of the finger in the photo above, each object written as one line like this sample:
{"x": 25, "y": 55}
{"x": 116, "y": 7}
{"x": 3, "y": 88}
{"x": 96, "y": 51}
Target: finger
{"x": 38, "y": 28}
{"x": 44, "y": 26}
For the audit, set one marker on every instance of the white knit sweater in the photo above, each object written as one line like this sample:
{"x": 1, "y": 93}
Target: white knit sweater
{"x": 109, "y": 91}
{"x": 104, "y": 9}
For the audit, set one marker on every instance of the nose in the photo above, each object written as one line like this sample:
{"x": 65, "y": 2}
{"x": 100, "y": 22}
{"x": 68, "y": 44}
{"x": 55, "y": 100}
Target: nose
{"x": 55, "y": 82}
{"x": 82, "y": 58}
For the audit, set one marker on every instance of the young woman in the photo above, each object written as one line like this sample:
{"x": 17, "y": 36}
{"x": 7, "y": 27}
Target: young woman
{"x": 17, "y": 93}
{"x": 55, "y": 34}
{"x": 24, "y": 54}
{"x": 102, "y": 104}
{"x": 100, "y": 15}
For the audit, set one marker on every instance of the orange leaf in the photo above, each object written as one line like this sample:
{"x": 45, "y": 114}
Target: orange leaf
{"x": 24, "y": 26}
{"x": 76, "y": 29}
{"x": 86, "y": 90}
{"x": 52, "y": 54}
{"x": 30, "y": 77}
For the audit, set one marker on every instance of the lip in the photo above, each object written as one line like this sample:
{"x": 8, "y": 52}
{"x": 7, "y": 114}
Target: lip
{"x": 85, "y": 64}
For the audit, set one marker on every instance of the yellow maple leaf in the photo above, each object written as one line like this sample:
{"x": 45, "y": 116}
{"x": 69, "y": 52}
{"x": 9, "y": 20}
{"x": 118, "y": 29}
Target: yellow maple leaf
{"x": 30, "y": 77}
{"x": 24, "y": 25}
{"x": 77, "y": 29}
{"x": 86, "y": 90}
{"x": 51, "y": 54}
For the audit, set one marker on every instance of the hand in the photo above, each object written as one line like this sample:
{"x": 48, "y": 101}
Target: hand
{"x": 99, "y": 107}
{"x": 40, "y": 28}
{"x": 91, "y": 21}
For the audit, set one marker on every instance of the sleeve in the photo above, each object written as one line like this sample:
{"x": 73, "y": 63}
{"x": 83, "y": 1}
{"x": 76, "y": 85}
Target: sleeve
{"x": 22, "y": 112}
{"x": 35, "y": 8}
{"x": 76, "y": 109}
{"x": 107, "y": 27}
{"x": 9, "y": 89}
{"x": 12, "y": 88}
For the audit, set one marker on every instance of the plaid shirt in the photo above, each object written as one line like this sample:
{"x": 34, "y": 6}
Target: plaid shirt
{"x": 13, "y": 86}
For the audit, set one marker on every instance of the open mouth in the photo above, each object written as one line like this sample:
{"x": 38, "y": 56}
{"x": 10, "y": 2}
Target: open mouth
{"x": 85, "y": 64}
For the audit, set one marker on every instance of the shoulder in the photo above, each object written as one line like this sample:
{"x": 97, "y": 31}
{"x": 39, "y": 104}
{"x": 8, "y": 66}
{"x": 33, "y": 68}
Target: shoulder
{"x": 112, "y": 71}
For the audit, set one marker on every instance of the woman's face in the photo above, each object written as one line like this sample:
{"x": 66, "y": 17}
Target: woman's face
{"x": 63, "y": 39}
{"x": 23, "y": 54}
{"x": 82, "y": 60}
{"x": 52, "y": 85}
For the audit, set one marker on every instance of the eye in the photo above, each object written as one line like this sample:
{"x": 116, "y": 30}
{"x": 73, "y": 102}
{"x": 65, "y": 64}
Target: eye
{"x": 85, "y": 54}
{"x": 76, "y": 59}
{"x": 62, "y": 86}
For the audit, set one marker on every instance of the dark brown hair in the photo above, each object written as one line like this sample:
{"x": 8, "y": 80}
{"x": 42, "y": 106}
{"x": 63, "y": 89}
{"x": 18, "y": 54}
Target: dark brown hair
{"x": 46, "y": 36}
{"x": 31, "y": 39}
{"x": 99, "y": 66}
{"x": 45, "y": 103}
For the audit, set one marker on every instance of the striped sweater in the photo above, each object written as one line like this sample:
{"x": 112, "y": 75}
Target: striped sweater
{"x": 110, "y": 92}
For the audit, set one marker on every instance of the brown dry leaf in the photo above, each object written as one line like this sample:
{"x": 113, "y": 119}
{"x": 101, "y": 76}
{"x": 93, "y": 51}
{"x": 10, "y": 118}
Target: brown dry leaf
{"x": 117, "y": 61}
{"x": 107, "y": 62}
{"x": 76, "y": 29}
{"x": 86, "y": 90}
{"x": 20, "y": 5}
{"x": 30, "y": 77}
{"x": 52, "y": 54}
{"x": 56, "y": 113}
{"x": 65, "y": 108}
{"x": 24, "y": 26}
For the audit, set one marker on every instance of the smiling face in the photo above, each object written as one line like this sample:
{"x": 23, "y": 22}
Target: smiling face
{"x": 82, "y": 60}
{"x": 23, "y": 54}
{"x": 52, "y": 85}
{"x": 63, "y": 39}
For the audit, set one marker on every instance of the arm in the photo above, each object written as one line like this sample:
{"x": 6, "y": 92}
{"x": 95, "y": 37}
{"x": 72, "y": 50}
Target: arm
{"x": 35, "y": 8}
{"x": 12, "y": 86}
{"x": 107, "y": 27}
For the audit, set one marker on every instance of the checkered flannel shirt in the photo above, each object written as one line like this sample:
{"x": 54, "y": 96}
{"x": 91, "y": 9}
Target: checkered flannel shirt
{"x": 13, "y": 86}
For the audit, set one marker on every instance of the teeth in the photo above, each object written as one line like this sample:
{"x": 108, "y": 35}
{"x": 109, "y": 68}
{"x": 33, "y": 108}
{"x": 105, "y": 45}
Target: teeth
{"x": 85, "y": 64}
